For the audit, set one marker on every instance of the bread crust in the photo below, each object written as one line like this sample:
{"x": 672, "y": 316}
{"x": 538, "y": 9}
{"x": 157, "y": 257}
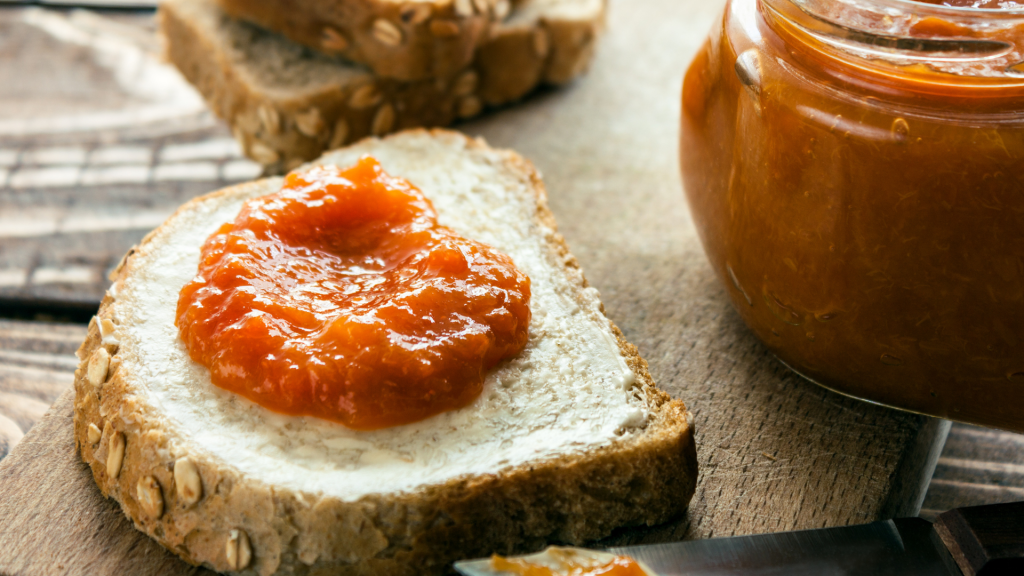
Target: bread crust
{"x": 282, "y": 126}
{"x": 642, "y": 478}
{"x": 404, "y": 41}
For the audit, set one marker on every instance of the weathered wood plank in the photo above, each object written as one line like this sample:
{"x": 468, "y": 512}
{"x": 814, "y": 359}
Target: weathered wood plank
{"x": 42, "y": 384}
{"x": 37, "y": 362}
{"x": 975, "y": 443}
{"x": 1009, "y": 474}
{"x": 978, "y": 466}
{"x": 97, "y": 149}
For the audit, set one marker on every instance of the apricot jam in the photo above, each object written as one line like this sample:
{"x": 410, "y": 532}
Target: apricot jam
{"x": 854, "y": 172}
{"x": 617, "y": 566}
{"x": 341, "y": 297}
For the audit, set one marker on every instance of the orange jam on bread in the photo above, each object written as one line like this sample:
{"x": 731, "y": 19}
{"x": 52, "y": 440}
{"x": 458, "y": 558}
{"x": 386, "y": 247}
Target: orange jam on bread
{"x": 341, "y": 297}
{"x": 617, "y": 566}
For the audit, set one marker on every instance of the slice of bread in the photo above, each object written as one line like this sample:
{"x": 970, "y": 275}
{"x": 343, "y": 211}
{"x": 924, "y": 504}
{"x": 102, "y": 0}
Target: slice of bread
{"x": 569, "y": 440}
{"x": 400, "y": 39}
{"x": 287, "y": 105}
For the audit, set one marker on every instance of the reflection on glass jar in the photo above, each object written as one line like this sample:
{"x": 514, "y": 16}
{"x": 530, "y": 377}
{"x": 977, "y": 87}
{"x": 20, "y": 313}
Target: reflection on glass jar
{"x": 856, "y": 173}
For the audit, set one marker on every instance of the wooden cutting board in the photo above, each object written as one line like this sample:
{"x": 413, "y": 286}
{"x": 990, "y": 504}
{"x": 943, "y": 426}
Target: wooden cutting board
{"x": 775, "y": 452}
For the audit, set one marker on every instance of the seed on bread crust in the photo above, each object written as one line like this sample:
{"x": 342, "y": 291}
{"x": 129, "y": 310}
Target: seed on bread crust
{"x": 383, "y": 120}
{"x": 269, "y": 119}
{"x": 94, "y": 433}
{"x": 147, "y": 491}
{"x": 470, "y": 106}
{"x": 115, "y": 455}
{"x": 444, "y": 28}
{"x": 238, "y": 550}
{"x": 465, "y": 84}
{"x": 310, "y": 122}
{"x": 387, "y": 33}
{"x": 99, "y": 363}
{"x": 332, "y": 41}
{"x": 263, "y": 153}
{"x": 107, "y": 329}
{"x": 187, "y": 480}
{"x": 415, "y": 14}
{"x": 463, "y": 8}
{"x": 248, "y": 122}
{"x": 340, "y": 134}
{"x": 365, "y": 96}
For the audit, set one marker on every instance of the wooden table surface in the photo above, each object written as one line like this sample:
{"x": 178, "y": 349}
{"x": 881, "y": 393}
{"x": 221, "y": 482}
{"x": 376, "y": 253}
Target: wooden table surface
{"x": 775, "y": 452}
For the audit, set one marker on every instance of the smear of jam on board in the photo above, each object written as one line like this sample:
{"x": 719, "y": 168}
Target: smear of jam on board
{"x": 568, "y": 562}
{"x": 341, "y": 297}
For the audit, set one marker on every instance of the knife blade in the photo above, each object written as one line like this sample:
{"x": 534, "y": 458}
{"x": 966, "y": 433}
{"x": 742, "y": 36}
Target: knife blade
{"x": 907, "y": 547}
{"x": 986, "y": 540}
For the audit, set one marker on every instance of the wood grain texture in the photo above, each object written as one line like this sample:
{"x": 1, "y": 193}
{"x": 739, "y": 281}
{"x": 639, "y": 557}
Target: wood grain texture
{"x": 83, "y": 173}
{"x": 985, "y": 540}
{"x": 978, "y": 466}
{"x": 776, "y": 453}
{"x": 58, "y": 522}
{"x": 37, "y": 361}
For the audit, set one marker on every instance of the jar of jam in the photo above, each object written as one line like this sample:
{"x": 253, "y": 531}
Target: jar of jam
{"x": 855, "y": 169}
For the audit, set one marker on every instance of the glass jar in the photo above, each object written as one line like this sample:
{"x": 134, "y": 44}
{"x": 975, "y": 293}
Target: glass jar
{"x": 855, "y": 169}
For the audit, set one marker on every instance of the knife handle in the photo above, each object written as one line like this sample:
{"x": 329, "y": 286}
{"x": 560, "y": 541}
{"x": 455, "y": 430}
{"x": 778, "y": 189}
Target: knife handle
{"x": 985, "y": 540}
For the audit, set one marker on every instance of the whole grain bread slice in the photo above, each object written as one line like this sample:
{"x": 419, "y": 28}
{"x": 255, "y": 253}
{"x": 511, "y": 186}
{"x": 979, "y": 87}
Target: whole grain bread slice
{"x": 569, "y": 440}
{"x": 287, "y": 104}
{"x": 400, "y": 39}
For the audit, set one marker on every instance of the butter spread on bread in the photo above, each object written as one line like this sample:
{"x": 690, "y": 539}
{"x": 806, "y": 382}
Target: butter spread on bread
{"x": 568, "y": 440}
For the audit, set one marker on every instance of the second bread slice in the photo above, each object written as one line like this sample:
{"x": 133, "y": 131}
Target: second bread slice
{"x": 286, "y": 104}
{"x": 396, "y": 39}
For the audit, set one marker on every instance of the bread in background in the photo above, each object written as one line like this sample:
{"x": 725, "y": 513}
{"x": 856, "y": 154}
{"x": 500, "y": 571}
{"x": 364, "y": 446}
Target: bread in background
{"x": 287, "y": 104}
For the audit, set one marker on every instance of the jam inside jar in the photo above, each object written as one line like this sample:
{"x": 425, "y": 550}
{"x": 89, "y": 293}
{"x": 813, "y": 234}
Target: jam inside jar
{"x": 856, "y": 174}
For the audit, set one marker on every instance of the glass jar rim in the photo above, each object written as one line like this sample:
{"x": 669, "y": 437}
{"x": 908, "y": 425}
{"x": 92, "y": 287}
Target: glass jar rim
{"x": 970, "y": 42}
{"x": 944, "y": 9}
{"x": 926, "y": 8}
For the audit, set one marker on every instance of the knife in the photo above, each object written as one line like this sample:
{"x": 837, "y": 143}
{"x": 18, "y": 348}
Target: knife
{"x": 975, "y": 541}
